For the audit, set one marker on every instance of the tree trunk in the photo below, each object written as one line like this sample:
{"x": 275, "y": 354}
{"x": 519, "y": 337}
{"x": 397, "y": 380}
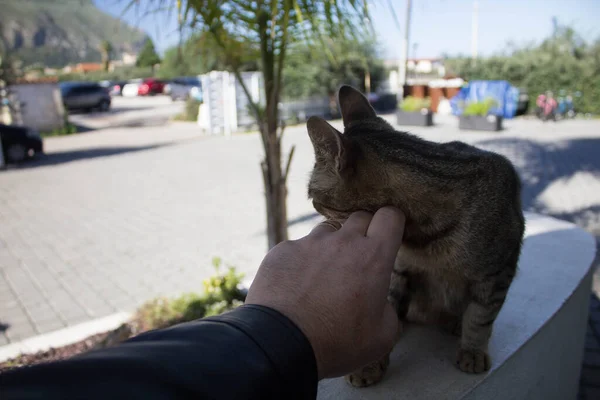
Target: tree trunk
{"x": 274, "y": 182}
{"x": 274, "y": 176}
{"x": 275, "y": 195}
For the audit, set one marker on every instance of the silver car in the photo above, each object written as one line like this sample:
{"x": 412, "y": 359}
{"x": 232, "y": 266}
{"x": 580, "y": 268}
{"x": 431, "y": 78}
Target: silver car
{"x": 184, "y": 88}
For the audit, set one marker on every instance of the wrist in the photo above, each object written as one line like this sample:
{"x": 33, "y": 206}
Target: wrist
{"x": 307, "y": 332}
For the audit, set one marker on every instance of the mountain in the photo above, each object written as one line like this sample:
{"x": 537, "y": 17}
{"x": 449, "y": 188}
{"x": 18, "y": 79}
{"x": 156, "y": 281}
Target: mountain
{"x": 59, "y": 32}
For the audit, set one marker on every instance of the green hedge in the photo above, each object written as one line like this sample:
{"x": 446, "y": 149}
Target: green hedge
{"x": 562, "y": 63}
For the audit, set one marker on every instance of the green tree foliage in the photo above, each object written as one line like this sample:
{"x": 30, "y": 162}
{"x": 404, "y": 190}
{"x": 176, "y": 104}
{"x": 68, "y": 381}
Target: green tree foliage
{"x": 147, "y": 56}
{"x": 118, "y": 74}
{"x": 200, "y": 54}
{"x": 319, "y": 69}
{"x": 269, "y": 26}
{"x": 564, "y": 61}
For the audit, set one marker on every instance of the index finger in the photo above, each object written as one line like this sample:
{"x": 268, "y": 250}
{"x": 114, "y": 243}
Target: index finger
{"x": 387, "y": 225}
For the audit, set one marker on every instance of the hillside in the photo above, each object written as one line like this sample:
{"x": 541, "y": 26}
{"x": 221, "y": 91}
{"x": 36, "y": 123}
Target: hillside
{"x": 59, "y": 32}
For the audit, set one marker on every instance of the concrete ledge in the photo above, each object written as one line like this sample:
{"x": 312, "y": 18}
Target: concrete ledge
{"x": 63, "y": 337}
{"x": 538, "y": 339}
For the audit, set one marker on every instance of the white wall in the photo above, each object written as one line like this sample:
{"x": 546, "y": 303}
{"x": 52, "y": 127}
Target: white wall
{"x": 43, "y": 109}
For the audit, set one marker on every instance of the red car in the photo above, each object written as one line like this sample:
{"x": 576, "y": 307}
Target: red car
{"x": 150, "y": 86}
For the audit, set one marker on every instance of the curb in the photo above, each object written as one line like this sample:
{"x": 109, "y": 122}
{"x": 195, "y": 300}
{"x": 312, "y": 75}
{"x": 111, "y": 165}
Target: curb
{"x": 75, "y": 333}
{"x": 63, "y": 337}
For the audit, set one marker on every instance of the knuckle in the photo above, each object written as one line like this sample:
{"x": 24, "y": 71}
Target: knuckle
{"x": 392, "y": 213}
{"x": 287, "y": 245}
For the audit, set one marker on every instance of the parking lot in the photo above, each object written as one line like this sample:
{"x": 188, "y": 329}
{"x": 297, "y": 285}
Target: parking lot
{"x": 130, "y": 112}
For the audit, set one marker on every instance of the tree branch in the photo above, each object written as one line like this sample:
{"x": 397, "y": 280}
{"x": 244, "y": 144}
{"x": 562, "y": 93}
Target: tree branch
{"x": 282, "y": 50}
{"x": 289, "y": 162}
{"x": 281, "y": 130}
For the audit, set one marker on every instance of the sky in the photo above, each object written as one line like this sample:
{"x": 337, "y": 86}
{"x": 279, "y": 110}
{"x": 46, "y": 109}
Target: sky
{"x": 437, "y": 26}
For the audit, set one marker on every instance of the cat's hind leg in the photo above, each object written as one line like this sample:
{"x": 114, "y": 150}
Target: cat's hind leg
{"x": 370, "y": 374}
{"x": 487, "y": 298}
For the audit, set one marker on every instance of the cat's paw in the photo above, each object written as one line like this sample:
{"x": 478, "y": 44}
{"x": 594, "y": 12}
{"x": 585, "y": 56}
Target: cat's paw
{"x": 472, "y": 361}
{"x": 369, "y": 375}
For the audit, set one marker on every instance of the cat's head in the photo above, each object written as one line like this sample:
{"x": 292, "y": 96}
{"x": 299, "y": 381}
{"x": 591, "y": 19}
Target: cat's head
{"x": 348, "y": 175}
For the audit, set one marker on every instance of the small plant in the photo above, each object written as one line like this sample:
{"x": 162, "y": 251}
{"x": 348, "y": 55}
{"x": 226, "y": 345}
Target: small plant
{"x": 68, "y": 129}
{"x": 221, "y": 294}
{"x": 479, "y": 108}
{"x": 415, "y": 104}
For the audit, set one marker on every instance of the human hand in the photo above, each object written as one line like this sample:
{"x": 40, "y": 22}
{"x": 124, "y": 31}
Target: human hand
{"x": 333, "y": 285}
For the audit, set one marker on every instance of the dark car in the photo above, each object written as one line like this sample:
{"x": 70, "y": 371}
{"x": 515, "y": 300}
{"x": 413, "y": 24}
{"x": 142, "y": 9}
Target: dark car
{"x": 19, "y": 142}
{"x": 85, "y": 96}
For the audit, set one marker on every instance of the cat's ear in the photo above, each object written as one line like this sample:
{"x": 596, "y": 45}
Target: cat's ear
{"x": 354, "y": 105}
{"x": 327, "y": 142}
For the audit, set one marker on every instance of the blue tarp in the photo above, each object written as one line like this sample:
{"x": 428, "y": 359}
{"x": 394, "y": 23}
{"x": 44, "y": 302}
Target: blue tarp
{"x": 506, "y": 97}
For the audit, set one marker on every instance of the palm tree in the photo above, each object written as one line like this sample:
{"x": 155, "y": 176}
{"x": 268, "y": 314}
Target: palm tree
{"x": 106, "y": 52}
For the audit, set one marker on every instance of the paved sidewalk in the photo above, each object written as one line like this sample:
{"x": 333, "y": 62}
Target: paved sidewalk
{"x": 112, "y": 218}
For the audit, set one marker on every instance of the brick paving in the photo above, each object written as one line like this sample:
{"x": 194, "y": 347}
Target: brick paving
{"x": 112, "y": 218}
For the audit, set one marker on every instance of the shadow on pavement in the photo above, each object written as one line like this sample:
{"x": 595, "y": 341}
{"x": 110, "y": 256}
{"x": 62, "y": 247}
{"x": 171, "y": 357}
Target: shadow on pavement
{"x": 86, "y": 154}
{"x": 111, "y": 111}
{"x": 547, "y": 162}
{"x": 4, "y": 326}
{"x": 136, "y": 123}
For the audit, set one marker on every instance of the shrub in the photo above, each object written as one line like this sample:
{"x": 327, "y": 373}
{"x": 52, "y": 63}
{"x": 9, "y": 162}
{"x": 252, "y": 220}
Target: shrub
{"x": 480, "y": 108}
{"x": 221, "y": 294}
{"x": 190, "y": 112}
{"x": 414, "y": 104}
{"x": 67, "y": 129}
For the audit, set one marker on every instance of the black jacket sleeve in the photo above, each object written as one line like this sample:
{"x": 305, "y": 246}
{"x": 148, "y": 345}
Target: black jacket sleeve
{"x": 252, "y": 352}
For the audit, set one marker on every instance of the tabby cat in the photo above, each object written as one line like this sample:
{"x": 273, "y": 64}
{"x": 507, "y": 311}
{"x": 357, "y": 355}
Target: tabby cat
{"x": 464, "y": 223}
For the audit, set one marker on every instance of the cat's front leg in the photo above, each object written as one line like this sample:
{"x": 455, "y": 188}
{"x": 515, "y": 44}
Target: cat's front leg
{"x": 487, "y": 300}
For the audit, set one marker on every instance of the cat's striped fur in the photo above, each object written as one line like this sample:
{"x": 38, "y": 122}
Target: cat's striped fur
{"x": 464, "y": 221}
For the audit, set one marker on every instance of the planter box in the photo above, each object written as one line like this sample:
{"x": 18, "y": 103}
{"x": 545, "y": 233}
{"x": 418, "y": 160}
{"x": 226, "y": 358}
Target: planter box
{"x": 477, "y": 123}
{"x": 417, "y": 118}
{"x": 436, "y": 94}
{"x": 451, "y": 92}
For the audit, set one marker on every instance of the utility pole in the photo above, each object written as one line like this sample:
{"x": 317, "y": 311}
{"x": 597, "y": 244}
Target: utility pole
{"x": 474, "y": 31}
{"x": 403, "y": 69}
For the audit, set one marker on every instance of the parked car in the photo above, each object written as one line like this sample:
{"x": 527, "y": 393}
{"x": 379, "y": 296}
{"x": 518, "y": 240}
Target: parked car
{"x": 183, "y": 88}
{"x": 131, "y": 88}
{"x": 116, "y": 88}
{"x": 84, "y": 96}
{"x": 19, "y": 142}
{"x": 150, "y": 86}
